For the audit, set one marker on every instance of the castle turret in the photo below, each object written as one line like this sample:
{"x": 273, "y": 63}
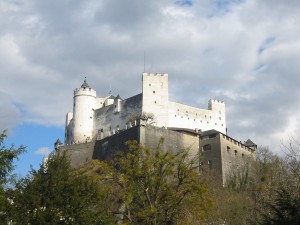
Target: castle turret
{"x": 83, "y": 113}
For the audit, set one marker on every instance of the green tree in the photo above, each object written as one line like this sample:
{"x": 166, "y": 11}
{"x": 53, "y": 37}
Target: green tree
{"x": 158, "y": 187}
{"x": 58, "y": 194}
{"x": 7, "y": 157}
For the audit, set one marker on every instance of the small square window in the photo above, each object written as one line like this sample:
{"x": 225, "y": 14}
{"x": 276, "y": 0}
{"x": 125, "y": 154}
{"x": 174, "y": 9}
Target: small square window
{"x": 153, "y": 92}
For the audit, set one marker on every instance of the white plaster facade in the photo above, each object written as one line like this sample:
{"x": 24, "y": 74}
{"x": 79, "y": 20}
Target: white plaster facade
{"x": 96, "y": 118}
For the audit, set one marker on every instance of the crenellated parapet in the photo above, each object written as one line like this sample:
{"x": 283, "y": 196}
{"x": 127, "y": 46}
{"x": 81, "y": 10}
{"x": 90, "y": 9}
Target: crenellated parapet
{"x": 155, "y": 74}
{"x": 84, "y": 92}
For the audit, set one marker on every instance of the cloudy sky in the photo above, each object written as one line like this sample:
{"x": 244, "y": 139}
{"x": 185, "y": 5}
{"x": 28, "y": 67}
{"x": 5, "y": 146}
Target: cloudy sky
{"x": 244, "y": 52}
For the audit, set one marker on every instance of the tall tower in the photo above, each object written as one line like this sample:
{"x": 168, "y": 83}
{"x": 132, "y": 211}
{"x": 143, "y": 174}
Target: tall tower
{"x": 83, "y": 113}
{"x": 156, "y": 97}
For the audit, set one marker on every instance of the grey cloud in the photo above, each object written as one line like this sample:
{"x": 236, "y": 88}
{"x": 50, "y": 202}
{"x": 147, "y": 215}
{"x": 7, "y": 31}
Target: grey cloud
{"x": 9, "y": 113}
{"x": 48, "y": 47}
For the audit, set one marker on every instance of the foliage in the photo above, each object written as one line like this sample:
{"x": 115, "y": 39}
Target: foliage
{"x": 156, "y": 187}
{"x": 7, "y": 157}
{"x": 280, "y": 201}
{"x": 57, "y": 194}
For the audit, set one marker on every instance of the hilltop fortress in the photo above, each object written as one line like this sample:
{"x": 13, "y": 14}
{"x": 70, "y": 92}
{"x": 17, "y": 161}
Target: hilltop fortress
{"x": 96, "y": 117}
{"x": 99, "y": 126}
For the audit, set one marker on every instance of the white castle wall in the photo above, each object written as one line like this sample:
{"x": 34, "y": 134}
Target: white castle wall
{"x": 156, "y": 97}
{"x": 184, "y": 116}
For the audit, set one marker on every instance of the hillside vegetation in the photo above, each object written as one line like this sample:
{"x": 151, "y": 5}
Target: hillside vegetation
{"x": 148, "y": 186}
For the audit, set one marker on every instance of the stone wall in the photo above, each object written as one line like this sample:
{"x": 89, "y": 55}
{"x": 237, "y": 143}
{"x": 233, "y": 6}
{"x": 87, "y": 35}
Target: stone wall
{"x": 79, "y": 153}
{"x": 173, "y": 140}
{"x": 219, "y": 152}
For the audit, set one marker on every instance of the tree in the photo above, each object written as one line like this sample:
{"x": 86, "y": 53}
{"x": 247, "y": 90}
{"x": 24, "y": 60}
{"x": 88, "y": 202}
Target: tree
{"x": 7, "y": 157}
{"x": 158, "y": 187}
{"x": 281, "y": 201}
{"x": 58, "y": 194}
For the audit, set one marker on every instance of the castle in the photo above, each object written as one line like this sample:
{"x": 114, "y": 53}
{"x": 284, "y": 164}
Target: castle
{"x": 96, "y": 117}
{"x": 99, "y": 126}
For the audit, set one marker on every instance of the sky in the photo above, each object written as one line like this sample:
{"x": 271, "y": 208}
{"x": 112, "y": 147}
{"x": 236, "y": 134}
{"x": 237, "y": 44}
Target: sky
{"x": 244, "y": 52}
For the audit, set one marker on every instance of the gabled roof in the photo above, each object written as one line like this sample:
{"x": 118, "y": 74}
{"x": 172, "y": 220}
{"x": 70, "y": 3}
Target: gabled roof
{"x": 250, "y": 143}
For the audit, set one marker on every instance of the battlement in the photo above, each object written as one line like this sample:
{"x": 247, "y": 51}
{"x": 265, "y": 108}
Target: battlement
{"x": 85, "y": 91}
{"x": 216, "y": 101}
{"x": 155, "y": 74}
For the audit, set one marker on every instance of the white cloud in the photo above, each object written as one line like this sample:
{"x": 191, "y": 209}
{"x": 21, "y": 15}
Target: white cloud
{"x": 45, "y": 151}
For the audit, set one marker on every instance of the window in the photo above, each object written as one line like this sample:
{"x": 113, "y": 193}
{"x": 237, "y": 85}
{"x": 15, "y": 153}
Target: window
{"x": 212, "y": 136}
{"x": 149, "y": 84}
{"x": 206, "y": 147}
{"x": 243, "y": 155}
{"x": 220, "y": 118}
{"x": 228, "y": 148}
{"x": 153, "y": 92}
{"x": 154, "y": 102}
{"x": 235, "y": 152}
{"x": 209, "y": 164}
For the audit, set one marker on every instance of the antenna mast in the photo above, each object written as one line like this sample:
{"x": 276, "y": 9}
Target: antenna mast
{"x": 144, "y": 60}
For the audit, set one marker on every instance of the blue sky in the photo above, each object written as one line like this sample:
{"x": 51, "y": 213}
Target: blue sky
{"x": 244, "y": 53}
{"x": 39, "y": 141}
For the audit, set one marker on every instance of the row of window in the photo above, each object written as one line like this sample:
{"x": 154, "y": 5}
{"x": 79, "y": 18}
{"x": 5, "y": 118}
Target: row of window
{"x": 220, "y": 118}
{"x": 208, "y": 147}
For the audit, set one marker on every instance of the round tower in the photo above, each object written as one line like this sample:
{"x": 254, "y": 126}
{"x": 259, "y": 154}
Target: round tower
{"x": 83, "y": 113}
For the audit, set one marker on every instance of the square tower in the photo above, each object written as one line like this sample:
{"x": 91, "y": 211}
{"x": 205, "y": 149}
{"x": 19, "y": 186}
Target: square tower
{"x": 156, "y": 97}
